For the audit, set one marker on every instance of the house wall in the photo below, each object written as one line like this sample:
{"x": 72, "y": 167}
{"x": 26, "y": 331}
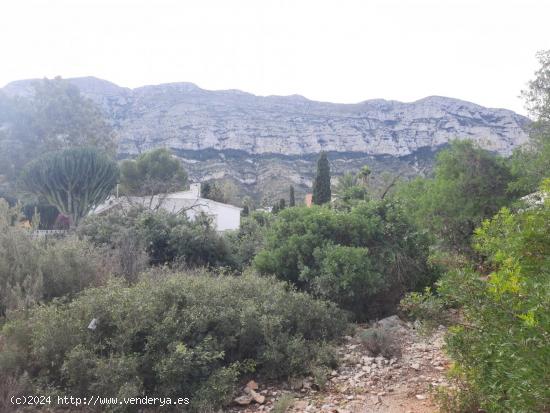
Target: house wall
{"x": 224, "y": 218}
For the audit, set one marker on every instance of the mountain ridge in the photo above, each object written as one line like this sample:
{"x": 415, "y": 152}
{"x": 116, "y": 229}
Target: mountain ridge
{"x": 182, "y": 115}
{"x": 264, "y": 142}
{"x": 14, "y": 87}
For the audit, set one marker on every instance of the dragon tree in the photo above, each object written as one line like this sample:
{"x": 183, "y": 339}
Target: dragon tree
{"x": 73, "y": 180}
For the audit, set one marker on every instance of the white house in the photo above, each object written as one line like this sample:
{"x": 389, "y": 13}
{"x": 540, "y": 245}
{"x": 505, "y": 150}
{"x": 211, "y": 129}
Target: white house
{"x": 224, "y": 216}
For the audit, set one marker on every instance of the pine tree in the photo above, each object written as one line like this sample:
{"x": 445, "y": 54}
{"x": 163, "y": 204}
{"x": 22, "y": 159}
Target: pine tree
{"x": 321, "y": 184}
{"x": 292, "y": 201}
{"x": 282, "y": 204}
{"x": 153, "y": 172}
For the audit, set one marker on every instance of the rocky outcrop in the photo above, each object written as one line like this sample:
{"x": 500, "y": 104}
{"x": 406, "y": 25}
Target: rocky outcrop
{"x": 185, "y": 117}
{"x": 261, "y": 145}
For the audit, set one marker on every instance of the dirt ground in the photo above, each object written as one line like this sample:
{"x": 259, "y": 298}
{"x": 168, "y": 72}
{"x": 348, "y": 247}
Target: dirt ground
{"x": 362, "y": 383}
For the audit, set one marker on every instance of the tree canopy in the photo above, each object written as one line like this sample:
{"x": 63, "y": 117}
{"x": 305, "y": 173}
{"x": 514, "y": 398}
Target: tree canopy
{"x": 153, "y": 172}
{"x": 73, "y": 180}
{"x": 537, "y": 94}
{"x": 55, "y": 117}
{"x": 363, "y": 259}
{"x": 531, "y": 163}
{"x": 469, "y": 185}
{"x": 219, "y": 191}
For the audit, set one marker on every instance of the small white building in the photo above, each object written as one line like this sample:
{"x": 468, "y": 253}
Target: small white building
{"x": 224, "y": 216}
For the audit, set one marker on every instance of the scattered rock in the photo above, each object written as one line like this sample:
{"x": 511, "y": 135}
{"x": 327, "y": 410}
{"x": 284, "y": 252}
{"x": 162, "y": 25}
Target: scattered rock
{"x": 252, "y": 385}
{"x": 243, "y": 400}
{"x": 258, "y": 398}
{"x": 392, "y": 322}
{"x": 363, "y": 383}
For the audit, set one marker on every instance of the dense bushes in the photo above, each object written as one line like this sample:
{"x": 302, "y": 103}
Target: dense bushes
{"x": 248, "y": 240}
{"x": 167, "y": 238}
{"x": 501, "y": 345}
{"x": 34, "y": 270}
{"x": 469, "y": 185}
{"x": 504, "y": 352}
{"x": 172, "y": 335}
{"x": 364, "y": 259}
{"x": 47, "y": 213}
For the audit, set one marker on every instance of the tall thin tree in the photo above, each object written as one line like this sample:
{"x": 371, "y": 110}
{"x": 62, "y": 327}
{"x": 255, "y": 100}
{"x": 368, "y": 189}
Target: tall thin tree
{"x": 292, "y": 200}
{"x": 321, "y": 184}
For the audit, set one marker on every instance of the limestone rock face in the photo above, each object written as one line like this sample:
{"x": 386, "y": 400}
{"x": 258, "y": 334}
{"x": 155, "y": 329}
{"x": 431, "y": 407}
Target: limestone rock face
{"x": 185, "y": 117}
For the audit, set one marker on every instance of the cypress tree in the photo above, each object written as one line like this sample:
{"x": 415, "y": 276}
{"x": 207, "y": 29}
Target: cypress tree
{"x": 282, "y": 204}
{"x": 321, "y": 184}
{"x": 292, "y": 201}
{"x": 205, "y": 190}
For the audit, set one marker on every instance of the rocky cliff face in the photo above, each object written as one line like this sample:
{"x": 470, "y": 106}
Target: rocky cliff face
{"x": 184, "y": 117}
{"x": 214, "y": 127}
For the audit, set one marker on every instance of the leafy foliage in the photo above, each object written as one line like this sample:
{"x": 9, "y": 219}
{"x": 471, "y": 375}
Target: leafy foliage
{"x": 220, "y": 191}
{"x": 501, "y": 344}
{"x": 56, "y": 117}
{"x": 192, "y": 334}
{"x": 47, "y": 214}
{"x": 530, "y": 163}
{"x": 167, "y": 238}
{"x": 470, "y": 185}
{"x": 34, "y": 271}
{"x": 248, "y": 240}
{"x": 73, "y": 180}
{"x": 364, "y": 259}
{"x": 153, "y": 172}
{"x": 537, "y": 95}
{"x": 350, "y": 190}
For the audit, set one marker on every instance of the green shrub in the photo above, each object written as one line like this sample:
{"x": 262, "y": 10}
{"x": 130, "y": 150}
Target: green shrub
{"x": 167, "y": 238}
{"x": 460, "y": 397}
{"x": 364, "y": 259}
{"x": 47, "y": 213}
{"x": 248, "y": 240}
{"x": 172, "y": 335}
{"x": 283, "y": 403}
{"x": 37, "y": 270}
{"x": 427, "y": 307}
{"x": 469, "y": 185}
{"x": 501, "y": 345}
{"x": 382, "y": 341}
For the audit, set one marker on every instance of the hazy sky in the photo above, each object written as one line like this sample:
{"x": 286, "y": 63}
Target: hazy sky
{"x": 331, "y": 50}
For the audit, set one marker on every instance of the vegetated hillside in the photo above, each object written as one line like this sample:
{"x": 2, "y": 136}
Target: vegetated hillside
{"x": 271, "y": 142}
